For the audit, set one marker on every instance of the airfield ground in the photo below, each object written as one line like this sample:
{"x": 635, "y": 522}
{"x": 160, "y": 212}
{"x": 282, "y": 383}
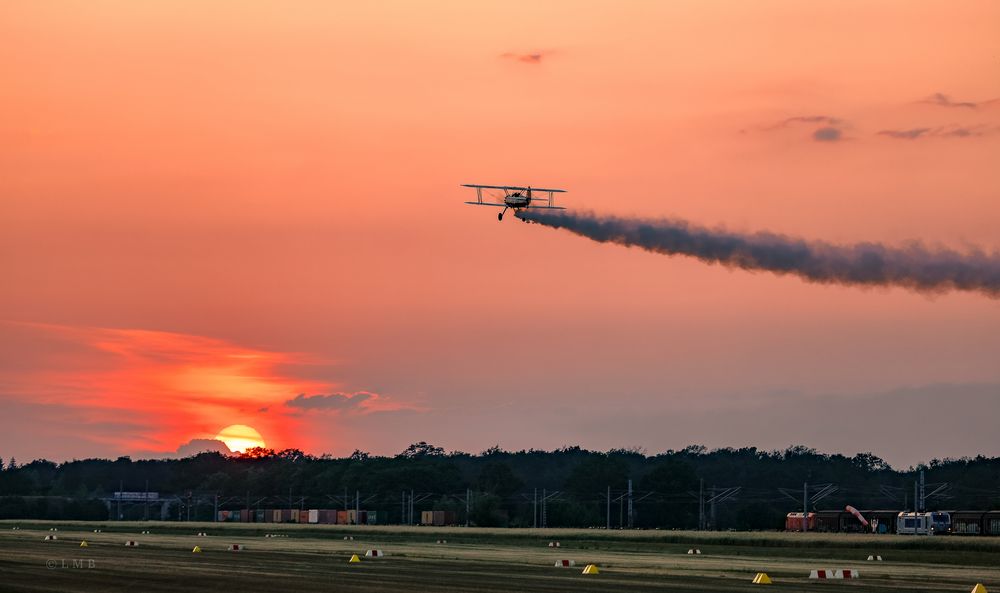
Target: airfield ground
{"x": 314, "y": 558}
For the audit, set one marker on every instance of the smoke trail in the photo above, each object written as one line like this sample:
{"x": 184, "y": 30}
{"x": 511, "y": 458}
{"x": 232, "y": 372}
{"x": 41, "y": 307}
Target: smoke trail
{"x": 864, "y": 264}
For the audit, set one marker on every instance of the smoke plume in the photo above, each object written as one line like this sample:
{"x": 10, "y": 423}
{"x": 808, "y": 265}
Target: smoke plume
{"x": 913, "y": 266}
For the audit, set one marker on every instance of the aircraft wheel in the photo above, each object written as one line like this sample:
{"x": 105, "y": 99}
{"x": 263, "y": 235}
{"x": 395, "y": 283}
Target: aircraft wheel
{"x": 500, "y": 217}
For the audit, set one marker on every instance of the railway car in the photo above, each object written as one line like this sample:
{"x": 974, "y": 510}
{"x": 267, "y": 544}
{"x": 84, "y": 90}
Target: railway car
{"x": 937, "y": 523}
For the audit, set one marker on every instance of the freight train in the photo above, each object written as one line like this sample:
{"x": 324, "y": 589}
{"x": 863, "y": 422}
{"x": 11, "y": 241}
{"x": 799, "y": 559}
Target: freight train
{"x": 317, "y": 516}
{"x": 901, "y": 522}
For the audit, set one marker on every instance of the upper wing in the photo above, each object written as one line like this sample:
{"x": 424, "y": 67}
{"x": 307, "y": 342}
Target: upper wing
{"x": 514, "y": 187}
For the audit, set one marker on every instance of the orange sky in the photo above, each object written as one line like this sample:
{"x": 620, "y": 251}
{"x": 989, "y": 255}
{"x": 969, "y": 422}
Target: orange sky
{"x": 209, "y": 208}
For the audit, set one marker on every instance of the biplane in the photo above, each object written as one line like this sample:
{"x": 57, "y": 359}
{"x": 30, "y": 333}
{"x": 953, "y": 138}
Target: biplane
{"x": 516, "y": 197}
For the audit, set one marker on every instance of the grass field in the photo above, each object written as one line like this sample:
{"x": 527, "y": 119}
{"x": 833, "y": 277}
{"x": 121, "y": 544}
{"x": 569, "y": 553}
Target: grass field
{"x": 314, "y": 558}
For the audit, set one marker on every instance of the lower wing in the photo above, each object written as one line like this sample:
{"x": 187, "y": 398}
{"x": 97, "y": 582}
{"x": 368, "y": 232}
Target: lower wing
{"x": 487, "y": 204}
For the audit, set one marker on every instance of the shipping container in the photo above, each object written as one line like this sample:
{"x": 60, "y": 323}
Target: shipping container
{"x": 831, "y": 520}
{"x": 276, "y": 516}
{"x": 342, "y": 518}
{"x": 991, "y": 523}
{"x": 427, "y": 517}
{"x": 793, "y": 522}
{"x": 882, "y": 521}
{"x": 313, "y": 516}
{"x": 303, "y": 516}
{"x": 372, "y": 518}
{"x": 260, "y": 516}
{"x": 967, "y": 522}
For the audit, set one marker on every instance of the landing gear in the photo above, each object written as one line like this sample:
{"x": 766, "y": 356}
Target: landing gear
{"x": 500, "y": 216}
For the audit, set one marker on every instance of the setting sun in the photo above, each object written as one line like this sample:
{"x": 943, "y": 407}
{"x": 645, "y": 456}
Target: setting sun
{"x": 240, "y": 437}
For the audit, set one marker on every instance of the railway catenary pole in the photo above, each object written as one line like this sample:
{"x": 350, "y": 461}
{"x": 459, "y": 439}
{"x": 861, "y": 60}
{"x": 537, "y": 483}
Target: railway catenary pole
{"x": 923, "y": 492}
{"x": 357, "y": 507}
{"x": 630, "y": 522}
{"x": 607, "y": 524}
{"x": 535, "y": 510}
{"x": 701, "y": 504}
{"x": 805, "y": 506}
{"x": 402, "y": 509}
{"x": 468, "y": 504}
{"x": 544, "y": 499}
{"x": 215, "y": 509}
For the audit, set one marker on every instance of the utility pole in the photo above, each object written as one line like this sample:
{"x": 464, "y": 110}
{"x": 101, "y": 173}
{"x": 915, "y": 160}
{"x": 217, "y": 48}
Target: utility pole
{"x": 145, "y": 503}
{"x": 805, "y": 507}
{"x": 923, "y": 498}
{"x": 402, "y": 509}
{"x": 535, "y": 515}
{"x": 712, "y": 509}
{"x": 357, "y": 507}
{"x": 121, "y": 487}
{"x": 544, "y": 500}
{"x": 215, "y": 508}
{"x": 468, "y": 505}
{"x": 411, "y": 507}
{"x": 701, "y": 504}
{"x": 630, "y": 515}
{"x": 607, "y": 524}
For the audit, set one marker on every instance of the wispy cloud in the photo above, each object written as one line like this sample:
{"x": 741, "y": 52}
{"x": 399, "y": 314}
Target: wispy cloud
{"x": 534, "y": 57}
{"x": 808, "y": 119}
{"x": 831, "y": 129}
{"x": 943, "y": 100}
{"x": 939, "y": 132}
{"x": 362, "y": 402}
{"x": 911, "y": 134}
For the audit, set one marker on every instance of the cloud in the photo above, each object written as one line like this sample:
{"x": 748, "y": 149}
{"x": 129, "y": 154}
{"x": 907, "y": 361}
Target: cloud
{"x": 831, "y": 130}
{"x": 332, "y": 401}
{"x": 196, "y": 446}
{"x": 808, "y": 119}
{"x": 827, "y": 134}
{"x": 940, "y": 132}
{"x": 527, "y": 58}
{"x": 358, "y": 402}
{"x": 911, "y": 134}
{"x": 943, "y": 100}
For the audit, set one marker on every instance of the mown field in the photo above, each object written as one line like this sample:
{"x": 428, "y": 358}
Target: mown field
{"x": 314, "y": 558}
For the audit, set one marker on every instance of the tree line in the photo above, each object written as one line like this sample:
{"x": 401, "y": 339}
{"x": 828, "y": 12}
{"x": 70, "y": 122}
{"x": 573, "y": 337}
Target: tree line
{"x": 580, "y": 488}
